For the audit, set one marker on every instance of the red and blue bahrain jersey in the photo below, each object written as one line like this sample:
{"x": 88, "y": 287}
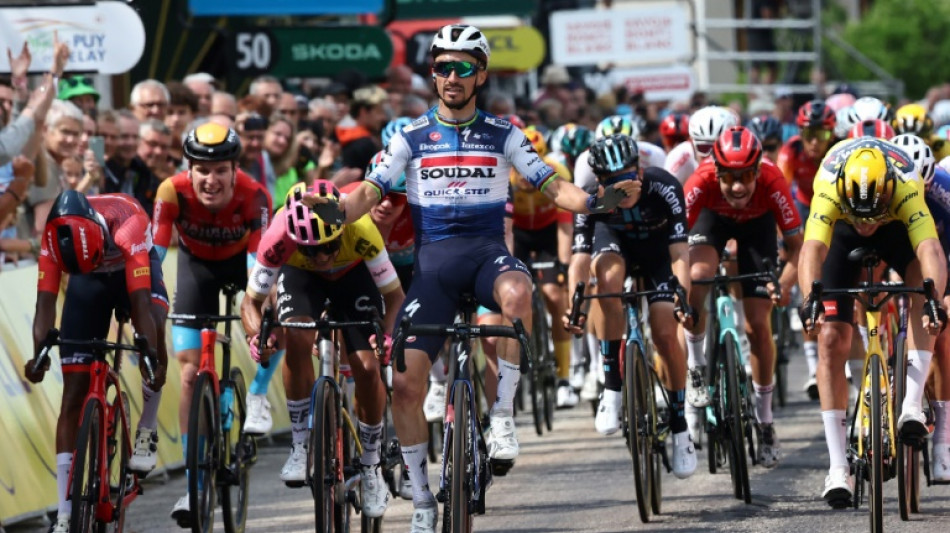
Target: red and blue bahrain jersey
{"x": 457, "y": 173}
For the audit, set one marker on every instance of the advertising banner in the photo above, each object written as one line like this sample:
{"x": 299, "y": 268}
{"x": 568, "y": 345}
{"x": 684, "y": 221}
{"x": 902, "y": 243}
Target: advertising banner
{"x": 214, "y": 8}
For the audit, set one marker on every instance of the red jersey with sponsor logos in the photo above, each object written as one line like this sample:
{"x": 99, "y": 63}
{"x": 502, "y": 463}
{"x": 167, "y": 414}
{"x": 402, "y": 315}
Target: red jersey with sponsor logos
{"x": 771, "y": 194}
{"x": 128, "y": 241}
{"x": 212, "y": 236}
{"x": 798, "y": 168}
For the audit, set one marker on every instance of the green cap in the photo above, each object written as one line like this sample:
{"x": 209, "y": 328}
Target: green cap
{"x": 77, "y": 86}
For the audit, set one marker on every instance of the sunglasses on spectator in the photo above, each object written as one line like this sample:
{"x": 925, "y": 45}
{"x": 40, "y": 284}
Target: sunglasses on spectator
{"x": 703, "y": 149}
{"x": 631, "y": 175}
{"x": 816, "y": 133}
{"x": 76, "y": 81}
{"x": 463, "y": 69}
{"x": 730, "y": 176}
{"x": 326, "y": 249}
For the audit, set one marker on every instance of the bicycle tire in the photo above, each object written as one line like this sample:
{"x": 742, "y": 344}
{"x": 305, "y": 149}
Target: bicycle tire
{"x": 203, "y": 454}
{"x": 635, "y": 422}
{"x": 550, "y": 397}
{"x": 738, "y": 466}
{"x": 537, "y": 402}
{"x": 462, "y": 463}
{"x": 238, "y": 449}
{"x": 904, "y": 452}
{"x": 120, "y": 479}
{"x": 876, "y": 490}
{"x": 85, "y": 486}
{"x": 715, "y": 451}
{"x": 322, "y": 455}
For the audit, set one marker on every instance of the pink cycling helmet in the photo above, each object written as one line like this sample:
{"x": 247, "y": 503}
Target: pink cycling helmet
{"x": 303, "y": 225}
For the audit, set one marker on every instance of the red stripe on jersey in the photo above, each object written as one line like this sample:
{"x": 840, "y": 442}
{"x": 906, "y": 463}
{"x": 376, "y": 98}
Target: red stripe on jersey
{"x": 459, "y": 160}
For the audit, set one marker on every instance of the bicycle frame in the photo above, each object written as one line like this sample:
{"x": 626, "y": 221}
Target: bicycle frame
{"x": 862, "y": 409}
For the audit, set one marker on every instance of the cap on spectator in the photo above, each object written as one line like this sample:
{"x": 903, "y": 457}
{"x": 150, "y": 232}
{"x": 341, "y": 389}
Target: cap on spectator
{"x": 555, "y": 75}
{"x": 74, "y": 86}
{"x": 201, "y": 76}
{"x": 370, "y": 95}
{"x": 782, "y": 92}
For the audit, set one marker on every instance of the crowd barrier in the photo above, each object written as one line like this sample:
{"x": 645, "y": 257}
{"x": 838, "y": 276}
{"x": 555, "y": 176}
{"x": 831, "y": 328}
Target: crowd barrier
{"x": 28, "y": 412}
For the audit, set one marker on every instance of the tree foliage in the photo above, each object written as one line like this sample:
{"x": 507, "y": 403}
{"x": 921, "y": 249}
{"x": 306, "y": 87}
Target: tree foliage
{"x": 907, "y": 38}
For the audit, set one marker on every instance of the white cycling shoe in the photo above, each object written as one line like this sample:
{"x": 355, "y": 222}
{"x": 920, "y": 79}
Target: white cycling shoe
{"x": 697, "y": 393}
{"x": 145, "y": 455}
{"x": 424, "y": 520}
{"x": 259, "y": 420}
{"x": 607, "y": 421}
{"x": 374, "y": 490}
{"x": 434, "y": 406}
{"x": 684, "y": 455}
{"x": 941, "y": 462}
{"x": 502, "y": 441}
{"x": 294, "y": 472}
{"x": 839, "y": 488}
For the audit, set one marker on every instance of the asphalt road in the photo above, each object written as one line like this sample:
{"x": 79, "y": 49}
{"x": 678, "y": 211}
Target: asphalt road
{"x": 576, "y": 480}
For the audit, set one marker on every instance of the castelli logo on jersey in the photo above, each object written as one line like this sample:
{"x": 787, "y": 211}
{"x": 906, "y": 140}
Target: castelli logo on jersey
{"x": 435, "y": 136}
{"x": 82, "y": 240}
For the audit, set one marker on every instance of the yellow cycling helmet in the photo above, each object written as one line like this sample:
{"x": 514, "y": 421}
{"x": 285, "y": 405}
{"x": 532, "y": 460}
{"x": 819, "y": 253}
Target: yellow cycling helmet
{"x": 866, "y": 183}
{"x": 913, "y": 118}
{"x": 303, "y": 225}
{"x": 537, "y": 140}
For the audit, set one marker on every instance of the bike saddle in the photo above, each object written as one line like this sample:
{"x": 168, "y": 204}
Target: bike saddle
{"x": 865, "y": 256}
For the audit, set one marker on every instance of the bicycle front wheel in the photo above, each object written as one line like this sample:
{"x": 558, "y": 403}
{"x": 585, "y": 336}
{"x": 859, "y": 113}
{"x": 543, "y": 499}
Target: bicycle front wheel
{"x": 240, "y": 449}
{"x": 876, "y": 492}
{"x": 322, "y": 466}
{"x": 738, "y": 463}
{"x": 85, "y": 487}
{"x": 203, "y": 454}
{"x": 462, "y": 466}
{"x": 637, "y": 417}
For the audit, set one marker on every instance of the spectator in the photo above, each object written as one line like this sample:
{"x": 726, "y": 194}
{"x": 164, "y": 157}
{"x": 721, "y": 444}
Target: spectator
{"x": 324, "y": 111}
{"x": 268, "y": 88}
{"x": 150, "y": 100}
{"x": 7, "y": 96}
{"x": 16, "y": 134}
{"x": 224, "y": 103}
{"x": 287, "y": 106}
{"x": 280, "y": 142}
{"x": 182, "y": 110}
{"x": 399, "y": 79}
{"x": 126, "y": 172}
{"x": 154, "y": 141}
{"x": 498, "y": 104}
{"x": 360, "y": 142}
{"x": 107, "y": 126}
{"x": 202, "y": 85}
{"x": 555, "y": 82}
{"x": 254, "y": 160}
{"x": 413, "y": 106}
{"x": 339, "y": 94}
{"x": 74, "y": 175}
{"x": 550, "y": 113}
{"x": 92, "y": 171}
{"x": 14, "y": 190}
{"x": 80, "y": 91}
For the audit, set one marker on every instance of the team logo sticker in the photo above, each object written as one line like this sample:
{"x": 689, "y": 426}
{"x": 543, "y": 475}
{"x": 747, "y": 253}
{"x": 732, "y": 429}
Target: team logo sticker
{"x": 435, "y": 136}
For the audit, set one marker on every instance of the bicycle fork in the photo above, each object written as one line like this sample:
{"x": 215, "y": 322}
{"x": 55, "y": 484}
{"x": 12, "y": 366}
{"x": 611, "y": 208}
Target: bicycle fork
{"x": 864, "y": 405}
{"x": 480, "y": 486}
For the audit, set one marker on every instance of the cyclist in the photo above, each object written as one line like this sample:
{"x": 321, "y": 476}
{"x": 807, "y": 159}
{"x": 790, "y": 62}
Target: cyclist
{"x": 218, "y": 212}
{"x": 545, "y": 232}
{"x": 871, "y": 185}
{"x": 769, "y": 131}
{"x": 705, "y": 126}
{"x": 868, "y": 108}
{"x": 312, "y": 261}
{"x": 449, "y": 155}
{"x": 873, "y": 127}
{"x": 736, "y": 195}
{"x": 913, "y": 118}
{"x": 103, "y": 243}
{"x": 645, "y": 236}
{"x": 574, "y": 141}
{"x": 674, "y": 130}
{"x": 798, "y": 160}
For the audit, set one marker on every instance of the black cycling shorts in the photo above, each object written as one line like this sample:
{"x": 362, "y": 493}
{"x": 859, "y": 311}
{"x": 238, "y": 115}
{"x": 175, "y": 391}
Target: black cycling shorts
{"x": 198, "y": 291}
{"x": 90, "y": 302}
{"x": 755, "y": 240}
{"x": 303, "y": 294}
{"x": 891, "y": 243}
{"x": 648, "y": 259}
{"x": 539, "y": 245}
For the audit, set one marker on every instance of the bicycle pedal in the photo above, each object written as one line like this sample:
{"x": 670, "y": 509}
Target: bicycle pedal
{"x": 442, "y": 496}
{"x": 500, "y": 467}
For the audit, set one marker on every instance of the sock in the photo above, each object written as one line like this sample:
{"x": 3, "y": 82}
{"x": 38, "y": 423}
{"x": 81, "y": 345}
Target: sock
{"x": 740, "y": 317}
{"x": 695, "y": 349}
{"x": 509, "y": 374}
{"x": 836, "y": 437}
{"x": 577, "y": 350}
{"x": 596, "y": 360}
{"x": 863, "y": 331}
{"x": 299, "y": 411}
{"x": 562, "y": 356}
{"x": 64, "y": 461}
{"x": 763, "y": 403}
{"x": 369, "y": 438}
{"x": 918, "y": 364}
{"x": 811, "y": 356}
{"x": 941, "y": 429}
{"x": 856, "y": 368}
{"x": 610, "y": 350}
{"x": 414, "y": 457}
{"x": 437, "y": 373}
{"x": 677, "y": 400}
{"x": 262, "y": 378}
{"x": 150, "y": 403}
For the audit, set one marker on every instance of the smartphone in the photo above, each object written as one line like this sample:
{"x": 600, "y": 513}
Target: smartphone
{"x": 98, "y": 146}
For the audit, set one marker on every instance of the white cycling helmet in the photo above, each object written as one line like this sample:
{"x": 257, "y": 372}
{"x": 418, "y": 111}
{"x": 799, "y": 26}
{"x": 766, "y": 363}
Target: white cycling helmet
{"x": 707, "y": 124}
{"x": 920, "y": 152}
{"x": 869, "y": 108}
{"x": 843, "y": 122}
{"x": 461, "y": 38}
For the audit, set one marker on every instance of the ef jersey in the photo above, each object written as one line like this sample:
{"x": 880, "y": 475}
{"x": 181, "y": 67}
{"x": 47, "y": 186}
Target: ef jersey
{"x": 907, "y": 203}
{"x": 457, "y": 173}
{"x": 938, "y": 201}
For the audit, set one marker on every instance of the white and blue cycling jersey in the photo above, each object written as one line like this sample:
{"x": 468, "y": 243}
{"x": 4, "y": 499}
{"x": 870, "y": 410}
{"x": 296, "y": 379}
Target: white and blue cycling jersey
{"x": 457, "y": 173}
{"x": 938, "y": 201}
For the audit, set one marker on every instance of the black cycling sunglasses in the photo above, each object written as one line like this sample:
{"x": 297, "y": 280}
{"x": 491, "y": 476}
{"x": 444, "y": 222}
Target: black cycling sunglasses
{"x": 325, "y": 249}
{"x": 463, "y": 69}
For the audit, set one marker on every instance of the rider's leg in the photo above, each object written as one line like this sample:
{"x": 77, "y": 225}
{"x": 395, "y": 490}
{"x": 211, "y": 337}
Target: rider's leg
{"x": 758, "y": 313}
{"x": 490, "y": 348}
{"x": 919, "y": 354}
{"x": 409, "y": 390}
{"x": 833, "y": 348}
{"x": 512, "y": 291}
{"x": 704, "y": 262}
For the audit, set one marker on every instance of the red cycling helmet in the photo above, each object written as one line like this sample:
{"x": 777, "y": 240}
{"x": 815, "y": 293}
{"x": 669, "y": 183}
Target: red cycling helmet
{"x": 737, "y": 148}
{"x": 872, "y": 128}
{"x": 816, "y": 114}
{"x": 73, "y": 235}
{"x": 674, "y": 129}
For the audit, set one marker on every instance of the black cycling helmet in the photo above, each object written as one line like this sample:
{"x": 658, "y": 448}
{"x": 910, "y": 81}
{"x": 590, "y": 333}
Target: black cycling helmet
{"x": 614, "y": 153}
{"x": 765, "y": 127}
{"x": 212, "y": 142}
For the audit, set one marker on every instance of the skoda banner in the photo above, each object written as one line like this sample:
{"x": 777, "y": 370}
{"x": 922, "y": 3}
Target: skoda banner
{"x": 283, "y": 7}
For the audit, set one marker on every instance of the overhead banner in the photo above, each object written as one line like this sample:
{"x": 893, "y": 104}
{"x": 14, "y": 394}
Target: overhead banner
{"x": 214, "y": 8}
{"x": 620, "y": 36}
{"x": 107, "y": 37}
{"x": 521, "y": 49}
{"x": 428, "y": 9}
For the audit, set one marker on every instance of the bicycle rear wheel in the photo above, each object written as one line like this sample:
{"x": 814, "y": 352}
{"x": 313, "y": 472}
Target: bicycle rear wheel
{"x": 322, "y": 466}
{"x": 462, "y": 466}
{"x": 876, "y": 490}
{"x": 738, "y": 461}
{"x": 636, "y": 391}
{"x": 203, "y": 454}
{"x": 84, "y": 491}
{"x": 118, "y": 453}
{"x": 239, "y": 449}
